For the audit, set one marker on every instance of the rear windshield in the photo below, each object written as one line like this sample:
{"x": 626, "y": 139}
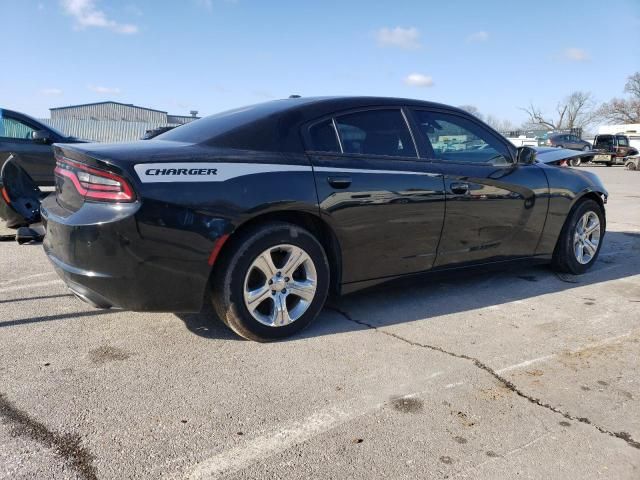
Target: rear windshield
{"x": 623, "y": 141}
{"x": 210, "y": 127}
{"x": 604, "y": 141}
{"x": 260, "y": 127}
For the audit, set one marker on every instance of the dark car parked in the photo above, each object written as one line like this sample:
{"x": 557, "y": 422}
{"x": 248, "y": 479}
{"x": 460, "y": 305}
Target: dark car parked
{"x": 269, "y": 208}
{"x": 567, "y": 140}
{"x": 31, "y": 140}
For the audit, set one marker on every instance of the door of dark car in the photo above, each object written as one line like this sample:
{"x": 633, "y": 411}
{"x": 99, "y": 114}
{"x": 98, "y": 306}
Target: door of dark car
{"x": 385, "y": 204}
{"x": 572, "y": 142}
{"x": 495, "y": 208}
{"x": 576, "y": 142}
{"x": 35, "y": 157}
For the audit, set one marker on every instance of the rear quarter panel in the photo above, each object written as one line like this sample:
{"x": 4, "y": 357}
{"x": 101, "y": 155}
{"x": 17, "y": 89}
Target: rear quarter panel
{"x": 167, "y": 239}
{"x": 179, "y": 222}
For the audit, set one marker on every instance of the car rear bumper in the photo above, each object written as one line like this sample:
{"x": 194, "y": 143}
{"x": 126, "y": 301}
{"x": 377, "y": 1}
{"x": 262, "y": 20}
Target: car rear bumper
{"x": 125, "y": 256}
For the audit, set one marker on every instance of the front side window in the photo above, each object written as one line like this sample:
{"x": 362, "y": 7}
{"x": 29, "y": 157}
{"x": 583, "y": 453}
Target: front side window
{"x": 622, "y": 141}
{"x": 12, "y": 128}
{"x": 376, "y": 132}
{"x": 457, "y": 139}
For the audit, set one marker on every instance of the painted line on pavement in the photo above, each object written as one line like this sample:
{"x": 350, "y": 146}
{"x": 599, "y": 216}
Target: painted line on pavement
{"x": 31, "y": 285}
{"x": 266, "y": 445}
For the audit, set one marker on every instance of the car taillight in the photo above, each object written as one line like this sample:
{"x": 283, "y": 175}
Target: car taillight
{"x": 94, "y": 184}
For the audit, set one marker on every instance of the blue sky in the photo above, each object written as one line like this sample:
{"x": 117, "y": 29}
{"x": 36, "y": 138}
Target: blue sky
{"x": 212, "y": 55}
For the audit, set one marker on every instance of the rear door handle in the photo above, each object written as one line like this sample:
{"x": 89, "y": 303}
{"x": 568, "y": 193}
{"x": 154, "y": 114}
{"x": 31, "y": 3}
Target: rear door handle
{"x": 339, "y": 182}
{"x": 459, "y": 188}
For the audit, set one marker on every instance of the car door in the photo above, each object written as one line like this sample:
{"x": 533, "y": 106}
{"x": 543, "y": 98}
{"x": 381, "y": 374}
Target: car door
{"x": 576, "y": 142}
{"x": 384, "y": 203}
{"x": 495, "y": 208}
{"x": 34, "y": 156}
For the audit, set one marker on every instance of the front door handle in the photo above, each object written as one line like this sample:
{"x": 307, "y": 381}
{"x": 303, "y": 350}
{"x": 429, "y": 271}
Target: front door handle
{"x": 339, "y": 182}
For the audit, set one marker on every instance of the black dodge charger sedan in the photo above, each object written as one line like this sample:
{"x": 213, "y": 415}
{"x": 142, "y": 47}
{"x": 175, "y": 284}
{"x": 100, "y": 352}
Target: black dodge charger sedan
{"x": 268, "y": 208}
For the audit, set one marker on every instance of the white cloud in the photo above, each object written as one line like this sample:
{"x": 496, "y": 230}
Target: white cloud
{"x": 51, "y": 91}
{"x": 419, "y": 80}
{"x": 133, "y": 9}
{"x": 104, "y": 90}
{"x": 86, "y": 14}
{"x": 207, "y": 4}
{"x": 481, "y": 36}
{"x": 575, "y": 55}
{"x": 407, "y": 38}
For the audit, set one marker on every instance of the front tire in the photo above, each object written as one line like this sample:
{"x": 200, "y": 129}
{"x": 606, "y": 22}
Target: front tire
{"x": 575, "y": 162}
{"x": 272, "y": 282}
{"x": 581, "y": 238}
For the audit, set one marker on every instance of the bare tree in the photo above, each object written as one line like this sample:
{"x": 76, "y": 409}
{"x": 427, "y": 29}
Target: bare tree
{"x": 491, "y": 120}
{"x": 472, "y": 109}
{"x": 633, "y": 86}
{"x": 501, "y": 125}
{"x": 577, "y": 110}
{"x": 624, "y": 110}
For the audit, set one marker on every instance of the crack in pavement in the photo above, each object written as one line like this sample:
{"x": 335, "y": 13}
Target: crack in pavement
{"x": 68, "y": 446}
{"x": 483, "y": 366}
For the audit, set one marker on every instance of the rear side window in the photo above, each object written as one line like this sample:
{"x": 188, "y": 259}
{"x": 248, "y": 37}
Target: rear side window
{"x": 324, "y": 138}
{"x": 458, "y": 139}
{"x": 376, "y": 132}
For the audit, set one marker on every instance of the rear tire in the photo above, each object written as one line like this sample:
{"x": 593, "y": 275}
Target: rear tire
{"x": 272, "y": 282}
{"x": 575, "y": 162}
{"x": 581, "y": 238}
{"x": 631, "y": 166}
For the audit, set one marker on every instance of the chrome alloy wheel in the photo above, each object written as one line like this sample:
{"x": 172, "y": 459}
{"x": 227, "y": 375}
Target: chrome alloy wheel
{"x": 280, "y": 285}
{"x": 586, "y": 237}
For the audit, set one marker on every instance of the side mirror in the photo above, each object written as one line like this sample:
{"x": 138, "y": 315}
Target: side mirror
{"x": 526, "y": 155}
{"x": 40, "y": 136}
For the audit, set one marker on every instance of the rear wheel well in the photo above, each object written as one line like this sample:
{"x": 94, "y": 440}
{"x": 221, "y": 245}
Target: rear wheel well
{"x": 308, "y": 221}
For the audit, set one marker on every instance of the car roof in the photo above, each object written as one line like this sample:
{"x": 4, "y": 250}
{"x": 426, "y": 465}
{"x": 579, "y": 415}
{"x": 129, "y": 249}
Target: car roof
{"x": 274, "y": 125}
{"x": 329, "y": 104}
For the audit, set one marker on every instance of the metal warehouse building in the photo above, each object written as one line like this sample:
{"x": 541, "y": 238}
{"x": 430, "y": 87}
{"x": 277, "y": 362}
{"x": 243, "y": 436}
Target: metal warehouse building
{"x": 112, "y": 121}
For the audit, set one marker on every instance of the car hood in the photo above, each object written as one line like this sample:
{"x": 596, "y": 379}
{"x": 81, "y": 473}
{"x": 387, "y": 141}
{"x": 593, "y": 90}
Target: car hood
{"x": 554, "y": 155}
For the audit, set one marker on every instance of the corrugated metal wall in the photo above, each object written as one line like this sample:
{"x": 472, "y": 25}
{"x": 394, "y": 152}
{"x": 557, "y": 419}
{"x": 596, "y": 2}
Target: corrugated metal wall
{"x": 102, "y": 130}
{"x": 180, "y": 119}
{"x": 109, "y": 111}
{"x": 12, "y": 129}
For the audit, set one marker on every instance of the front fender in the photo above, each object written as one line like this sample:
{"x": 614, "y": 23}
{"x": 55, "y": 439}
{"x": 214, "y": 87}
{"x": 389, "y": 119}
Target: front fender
{"x": 567, "y": 186}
